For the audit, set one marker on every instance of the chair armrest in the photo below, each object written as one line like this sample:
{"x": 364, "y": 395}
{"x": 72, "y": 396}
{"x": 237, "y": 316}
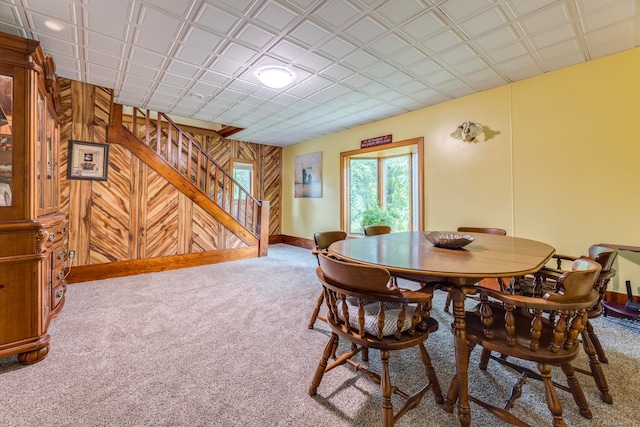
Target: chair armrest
{"x": 550, "y": 302}
{"x": 565, "y": 257}
{"x": 560, "y": 257}
{"x": 549, "y": 273}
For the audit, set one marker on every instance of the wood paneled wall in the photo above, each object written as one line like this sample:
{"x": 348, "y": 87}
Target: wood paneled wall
{"x": 136, "y": 214}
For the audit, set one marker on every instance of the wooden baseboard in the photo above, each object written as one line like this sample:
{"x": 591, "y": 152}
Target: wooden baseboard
{"x": 87, "y": 273}
{"x": 619, "y": 298}
{"x": 293, "y": 241}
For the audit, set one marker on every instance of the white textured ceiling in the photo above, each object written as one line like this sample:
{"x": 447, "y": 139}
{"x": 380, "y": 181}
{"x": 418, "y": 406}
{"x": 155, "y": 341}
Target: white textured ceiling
{"x": 356, "y": 61}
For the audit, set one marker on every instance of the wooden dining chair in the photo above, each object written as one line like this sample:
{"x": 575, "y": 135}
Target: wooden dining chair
{"x": 494, "y": 283}
{"x": 323, "y": 239}
{"x": 375, "y": 230}
{"x": 543, "y": 330}
{"x": 369, "y": 313}
{"x": 547, "y": 279}
{"x": 486, "y": 230}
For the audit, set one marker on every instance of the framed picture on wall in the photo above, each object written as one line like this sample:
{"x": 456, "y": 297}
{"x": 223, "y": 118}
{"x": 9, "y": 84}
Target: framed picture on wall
{"x": 308, "y": 175}
{"x": 88, "y": 160}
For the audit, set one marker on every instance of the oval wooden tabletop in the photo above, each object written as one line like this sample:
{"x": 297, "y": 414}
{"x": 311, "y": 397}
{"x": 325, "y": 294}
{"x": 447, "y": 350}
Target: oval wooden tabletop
{"x": 489, "y": 255}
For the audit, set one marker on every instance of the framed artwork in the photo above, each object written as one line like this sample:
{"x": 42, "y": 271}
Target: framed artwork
{"x": 308, "y": 175}
{"x": 88, "y": 160}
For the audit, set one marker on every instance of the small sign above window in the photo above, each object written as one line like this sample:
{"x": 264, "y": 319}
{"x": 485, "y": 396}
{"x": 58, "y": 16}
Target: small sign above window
{"x": 378, "y": 140}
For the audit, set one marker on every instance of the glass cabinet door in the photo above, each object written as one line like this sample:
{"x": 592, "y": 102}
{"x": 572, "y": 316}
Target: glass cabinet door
{"x": 6, "y": 154}
{"x": 40, "y": 135}
{"x": 50, "y": 163}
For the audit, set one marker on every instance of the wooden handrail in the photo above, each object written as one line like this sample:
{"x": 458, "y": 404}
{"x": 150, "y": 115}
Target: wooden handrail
{"x": 180, "y": 151}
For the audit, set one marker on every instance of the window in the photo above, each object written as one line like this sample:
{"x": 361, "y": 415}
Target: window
{"x": 244, "y": 173}
{"x": 383, "y": 185}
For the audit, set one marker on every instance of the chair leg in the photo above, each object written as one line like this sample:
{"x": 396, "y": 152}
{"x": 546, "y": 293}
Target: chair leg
{"x": 316, "y": 310}
{"x": 431, "y": 375}
{"x": 576, "y": 390}
{"x": 550, "y": 394}
{"x": 322, "y": 366}
{"x": 447, "y": 303}
{"x": 452, "y": 395}
{"x": 484, "y": 359}
{"x": 596, "y": 369}
{"x": 386, "y": 390}
{"x": 516, "y": 391}
{"x": 596, "y": 343}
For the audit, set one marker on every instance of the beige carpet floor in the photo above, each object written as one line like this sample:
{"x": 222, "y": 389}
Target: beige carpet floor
{"x": 228, "y": 345}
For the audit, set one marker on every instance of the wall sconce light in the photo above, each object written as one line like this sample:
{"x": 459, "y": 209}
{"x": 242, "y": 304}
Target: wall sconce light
{"x": 468, "y": 131}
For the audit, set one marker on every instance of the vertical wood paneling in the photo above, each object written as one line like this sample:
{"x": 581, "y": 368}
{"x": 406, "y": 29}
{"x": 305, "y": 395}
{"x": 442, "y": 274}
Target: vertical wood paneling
{"x": 205, "y": 231}
{"x": 102, "y": 110}
{"x": 221, "y": 153}
{"x": 271, "y": 180}
{"x": 143, "y": 178}
{"x": 185, "y": 208}
{"x": 232, "y": 241}
{"x": 136, "y": 214}
{"x": 110, "y": 210}
{"x": 246, "y": 150}
{"x": 162, "y": 217}
{"x": 134, "y": 211}
{"x": 66, "y": 127}
{"x": 80, "y": 190}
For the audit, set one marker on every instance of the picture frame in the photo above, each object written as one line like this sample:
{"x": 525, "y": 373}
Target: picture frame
{"x": 308, "y": 175}
{"x": 88, "y": 160}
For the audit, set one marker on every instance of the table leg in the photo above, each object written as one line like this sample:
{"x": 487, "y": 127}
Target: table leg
{"x": 462, "y": 356}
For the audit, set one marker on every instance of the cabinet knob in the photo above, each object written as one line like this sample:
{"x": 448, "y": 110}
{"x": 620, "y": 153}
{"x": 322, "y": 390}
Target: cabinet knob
{"x": 61, "y": 254}
{"x": 52, "y": 237}
{"x": 59, "y": 275}
{"x": 59, "y": 293}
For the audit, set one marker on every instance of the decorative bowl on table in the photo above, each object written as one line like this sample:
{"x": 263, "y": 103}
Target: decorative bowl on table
{"x": 449, "y": 240}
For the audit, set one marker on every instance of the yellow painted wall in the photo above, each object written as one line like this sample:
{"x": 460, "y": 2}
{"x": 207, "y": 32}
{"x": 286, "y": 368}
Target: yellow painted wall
{"x": 558, "y": 164}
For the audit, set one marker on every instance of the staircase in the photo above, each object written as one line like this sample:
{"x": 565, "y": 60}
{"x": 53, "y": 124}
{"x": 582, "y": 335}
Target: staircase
{"x": 179, "y": 159}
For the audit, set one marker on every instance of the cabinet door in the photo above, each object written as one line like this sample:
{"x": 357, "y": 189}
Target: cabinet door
{"x": 46, "y": 288}
{"x": 18, "y": 287}
{"x": 40, "y": 154}
{"x": 6, "y": 141}
{"x": 51, "y": 168}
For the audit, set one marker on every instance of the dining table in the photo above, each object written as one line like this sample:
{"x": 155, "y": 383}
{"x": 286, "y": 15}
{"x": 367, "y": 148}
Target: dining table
{"x": 412, "y": 256}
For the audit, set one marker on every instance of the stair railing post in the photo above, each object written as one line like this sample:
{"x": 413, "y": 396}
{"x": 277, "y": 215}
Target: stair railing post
{"x": 263, "y": 228}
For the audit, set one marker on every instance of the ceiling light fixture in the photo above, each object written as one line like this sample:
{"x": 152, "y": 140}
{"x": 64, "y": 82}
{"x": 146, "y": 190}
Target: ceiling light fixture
{"x": 275, "y": 77}
{"x": 53, "y": 25}
{"x": 468, "y": 131}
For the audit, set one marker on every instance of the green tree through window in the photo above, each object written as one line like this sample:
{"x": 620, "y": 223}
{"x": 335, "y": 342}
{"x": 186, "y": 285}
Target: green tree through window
{"x": 380, "y": 192}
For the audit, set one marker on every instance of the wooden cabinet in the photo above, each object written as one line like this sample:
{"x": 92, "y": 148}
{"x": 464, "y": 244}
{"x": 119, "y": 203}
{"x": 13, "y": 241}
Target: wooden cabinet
{"x": 33, "y": 233}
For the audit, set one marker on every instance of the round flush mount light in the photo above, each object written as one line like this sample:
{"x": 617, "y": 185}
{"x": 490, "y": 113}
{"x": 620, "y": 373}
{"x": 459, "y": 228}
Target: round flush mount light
{"x": 275, "y": 77}
{"x": 53, "y": 25}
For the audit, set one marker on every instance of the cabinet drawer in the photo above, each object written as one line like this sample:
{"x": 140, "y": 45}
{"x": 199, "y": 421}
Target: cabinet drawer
{"x": 58, "y": 275}
{"x": 60, "y": 232}
{"x": 56, "y": 295}
{"x": 59, "y": 254}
